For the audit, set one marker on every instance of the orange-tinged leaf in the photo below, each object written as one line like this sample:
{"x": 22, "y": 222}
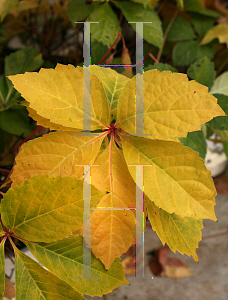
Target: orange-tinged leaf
{"x": 173, "y": 106}
{"x": 175, "y": 178}
{"x": 112, "y": 231}
{"x": 220, "y": 32}
{"x": 180, "y": 234}
{"x": 46, "y": 209}
{"x": 56, "y": 153}
{"x": 57, "y": 94}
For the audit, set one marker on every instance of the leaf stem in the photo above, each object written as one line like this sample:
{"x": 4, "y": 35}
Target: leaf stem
{"x": 154, "y": 58}
{"x": 4, "y": 170}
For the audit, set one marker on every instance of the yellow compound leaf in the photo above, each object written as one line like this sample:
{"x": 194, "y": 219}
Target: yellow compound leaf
{"x": 57, "y": 95}
{"x": 113, "y": 83}
{"x": 220, "y": 32}
{"x": 180, "y": 234}
{"x": 56, "y": 153}
{"x": 46, "y": 209}
{"x": 35, "y": 283}
{"x": 112, "y": 231}
{"x": 46, "y": 122}
{"x": 67, "y": 254}
{"x": 175, "y": 178}
{"x": 173, "y": 106}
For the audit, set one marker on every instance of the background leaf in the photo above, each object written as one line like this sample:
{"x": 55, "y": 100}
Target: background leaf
{"x": 184, "y": 53}
{"x": 161, "y": 67}
{"x": 175, "y": 34}
{"x": 219, "y": 31}
{"x": 220, "y": 85}
{"x": 6, "y": 6}
{"x": 181, "y": 183}
{"x": 46, "y": 209}
{"x": 180, "y": 234}
{"x": 36, "y": 283}
{"x": 201, "y": 24}
{"x": 68, "y": 255}
{"x": 196, "y": 141}
{"x": 108, "y": 28}
{"x": 202, "y": 71}
{"x": 78, "y": 10}
{"x": 135, "y": 12}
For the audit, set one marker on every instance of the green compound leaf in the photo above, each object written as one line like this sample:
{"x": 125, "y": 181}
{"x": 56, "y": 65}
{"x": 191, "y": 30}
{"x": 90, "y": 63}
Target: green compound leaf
{"x": 180, "y": 234}
{"x": 196, "y": 141}
{"x": 202, "y": 71}
{"x": 219, "y": 123}
{"x": 202, "y": 24}
{"x": 175, "y": 34}
{"x": 184, "y": 53}
{"x": 220, "y": 85}
{"x": 135, "y": 12}
{"x": 107, "y": 29}
{"x": 161, "y": 67}
{"x": 78, "y": 10}
{"x": 35, "y": 283}
{"x": 46, "y": 209}
{"x": 2, "y": 268}
{"x": 68, "y": 256}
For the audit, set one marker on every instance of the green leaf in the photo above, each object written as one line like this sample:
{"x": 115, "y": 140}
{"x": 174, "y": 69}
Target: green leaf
{"x": 202, "y": 71}
{"x": 222, "y": 101}
{"x": 161, "y": 67}
{"x": 184, "y": 53}
{"x": 220, "y": 85}
{"x": 16, "y": 121}
{"x": 67, "y": 254}
{"x": 108, "y": 28}
{"x": 196, "y": 141}
{"x": 2, "y": 147}
{"x": 201, "y": 24}
{"x": 2, "y": 268}
{"x": 98, "y": 50}
{"x": 193, "y": 5}
{"x": 181, "y": 183}
{"x": 219, "y": 123}
{"x": 35, "y": 283}
{"x": 180, "y": 234}
{"x": 26, "y": 60}
{"x": 175, "y": 34}
{"x": 5, "y": 100}
{"x": 135, "y": 12}
{"x": 46, "y": 209}
{"x": 6, "y": 6}
{"x": 78, "y": 10}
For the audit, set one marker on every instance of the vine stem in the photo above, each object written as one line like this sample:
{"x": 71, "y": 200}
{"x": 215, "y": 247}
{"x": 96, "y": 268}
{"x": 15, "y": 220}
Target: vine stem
{"x": 28, "y": 137}
{"x": 214, "y": 235}
{"x": 154, "y": 58}
{"x": 166, "y": 33}
{"x": 4, "y": 170}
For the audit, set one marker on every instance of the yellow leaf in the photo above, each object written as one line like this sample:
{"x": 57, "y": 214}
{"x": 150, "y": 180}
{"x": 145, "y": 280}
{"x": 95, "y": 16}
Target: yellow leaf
{"x": 6, "y": 6}
{"x": 57, "y": 95}
{"x": 180, "y": 234}
{"x": 175, "y": 178}
{"x": 126, "y": 59}
{"x": 112, "y": 231}
{"x": 56, "y": 153}
{"x": 46, "y": 209}
{"x": 113, "y": 83}
{"x": 46, "y": 122}
{"x": 173, "y": 106}
{"x": 219, "y": 31}
{"x": 35, "y": 283}
{"x": 67, "y": 255}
